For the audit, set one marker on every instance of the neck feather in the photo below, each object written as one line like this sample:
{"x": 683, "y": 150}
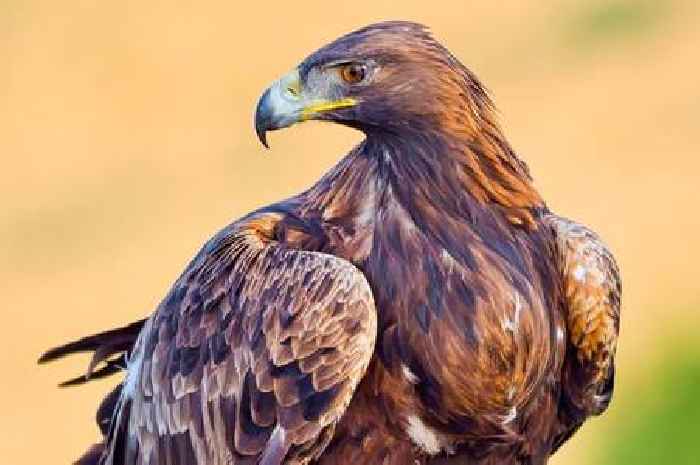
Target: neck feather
{"x": 457, "y": 173}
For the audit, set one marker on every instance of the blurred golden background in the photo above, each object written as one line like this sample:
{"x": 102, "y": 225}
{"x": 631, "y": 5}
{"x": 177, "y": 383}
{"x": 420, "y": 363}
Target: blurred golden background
{"x": 126, "y": 140}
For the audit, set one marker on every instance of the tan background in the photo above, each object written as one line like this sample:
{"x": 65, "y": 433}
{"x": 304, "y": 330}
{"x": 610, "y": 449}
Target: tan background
{"x": 126, "y": 139}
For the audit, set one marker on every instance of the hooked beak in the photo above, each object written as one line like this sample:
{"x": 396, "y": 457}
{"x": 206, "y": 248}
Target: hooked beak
{"x": 285, "y": 103}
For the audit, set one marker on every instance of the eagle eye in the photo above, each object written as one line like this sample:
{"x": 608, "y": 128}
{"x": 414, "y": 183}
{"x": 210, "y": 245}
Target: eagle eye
{"x": 353, "y": 73}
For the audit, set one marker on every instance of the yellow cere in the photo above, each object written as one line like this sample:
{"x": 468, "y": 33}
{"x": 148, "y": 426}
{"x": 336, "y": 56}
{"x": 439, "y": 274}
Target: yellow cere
{"x": 320, "y": 107}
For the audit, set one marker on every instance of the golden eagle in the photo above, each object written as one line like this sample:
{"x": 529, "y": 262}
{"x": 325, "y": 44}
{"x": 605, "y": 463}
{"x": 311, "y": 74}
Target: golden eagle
{"x": 420, "y": 304}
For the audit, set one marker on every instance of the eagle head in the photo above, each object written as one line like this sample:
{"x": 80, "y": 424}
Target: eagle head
{"x": 386, "y": 77}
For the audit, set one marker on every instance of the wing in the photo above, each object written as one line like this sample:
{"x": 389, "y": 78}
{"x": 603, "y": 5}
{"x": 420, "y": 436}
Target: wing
{"x": 251, "y": 358}
{"x": 591, "y": 291}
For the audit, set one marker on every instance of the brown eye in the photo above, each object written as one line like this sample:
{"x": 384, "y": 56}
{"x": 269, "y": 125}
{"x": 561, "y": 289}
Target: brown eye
{"x": 353, "y": 73}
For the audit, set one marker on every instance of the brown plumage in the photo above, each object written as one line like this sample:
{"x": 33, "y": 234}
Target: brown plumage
{"x": 419, "y": 304}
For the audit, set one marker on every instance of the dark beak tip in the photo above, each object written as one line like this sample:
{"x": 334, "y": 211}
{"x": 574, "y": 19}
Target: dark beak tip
{"x": 262, "y": 136}
{"x": 263, "y": 114}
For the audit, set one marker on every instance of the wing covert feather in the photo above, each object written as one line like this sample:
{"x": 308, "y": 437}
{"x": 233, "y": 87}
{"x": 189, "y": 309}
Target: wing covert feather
{"x": 255, "y": 341}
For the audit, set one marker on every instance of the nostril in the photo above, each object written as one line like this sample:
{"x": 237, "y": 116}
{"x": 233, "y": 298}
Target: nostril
{"x": 292, "y": 91}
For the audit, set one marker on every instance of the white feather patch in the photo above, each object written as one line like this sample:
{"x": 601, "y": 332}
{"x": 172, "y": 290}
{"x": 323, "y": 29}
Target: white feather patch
{"x": 512, "y": 325}
{"x": 512, "y": 415}
{"x": 423, "y": 436}
{"x": 133, "y": 374}
{"x": 580, "y": 273}
{"x": 409, "y": 375}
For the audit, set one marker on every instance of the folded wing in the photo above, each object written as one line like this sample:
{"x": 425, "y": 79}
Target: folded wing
{"x": 252, "y": 357}
{"x": 591, "y": 291}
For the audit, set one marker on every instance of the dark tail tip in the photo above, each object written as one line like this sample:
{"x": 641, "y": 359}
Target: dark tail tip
{"x": 92, "y": 456}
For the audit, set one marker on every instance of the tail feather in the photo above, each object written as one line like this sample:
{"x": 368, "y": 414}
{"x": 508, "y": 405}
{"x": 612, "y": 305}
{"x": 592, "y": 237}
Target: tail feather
{"x": 111, "y": 367}
{"x": 120, "y": 338}
{"x": 92, "y": 456}
{"x": 111, "y": 349}
{"x": 104, "y": 346}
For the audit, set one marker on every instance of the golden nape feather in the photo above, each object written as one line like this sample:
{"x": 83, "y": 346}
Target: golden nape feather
{"x": 417, "y": 305}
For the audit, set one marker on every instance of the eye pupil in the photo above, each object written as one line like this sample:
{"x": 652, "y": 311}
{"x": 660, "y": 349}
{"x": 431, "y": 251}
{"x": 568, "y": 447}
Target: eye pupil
{"x": 353, "y": 73}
